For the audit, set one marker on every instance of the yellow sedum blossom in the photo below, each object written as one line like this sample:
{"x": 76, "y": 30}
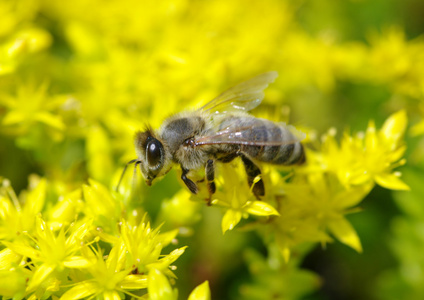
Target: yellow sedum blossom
{"x": 78, "y": 78}
{"x": 237, "y": 200}
{"x": 108, "y": 280}
{"x": 51, "y": 253}
{"x": 144, "y": 246}
{"x": 18, "y": 218}
{"x": 45, "y": 257}
{"x": 312, "y": 210}
{"x": 42, "y": 109}
{"x": 313, "y": 205}
{"x": 368, "y": 157}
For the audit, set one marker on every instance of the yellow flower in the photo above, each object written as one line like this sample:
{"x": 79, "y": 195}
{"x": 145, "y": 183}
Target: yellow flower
{"x": 65, "y": 210}
{"x": 134, "y": 263}
{"x": 101, "y": 206}
{"x": 109, "y": 280}
{"x": 405, "y": 73}
{"x": 17, "y": 216}
{"x": 313, "y": 208}
{"x": 369, "y": 157}
{"x": 23, "y": 114}
{"x": 18, "y": 47}
{"x": 51, "y": 253}
{"x": 237, "y": 199}
{"x": 144, "y": 246}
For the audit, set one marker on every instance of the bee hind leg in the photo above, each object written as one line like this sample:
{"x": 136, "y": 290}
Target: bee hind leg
{"x": 252, "y": 172}
{"x": 210, "y": 177}
{"x": 189, "y": 183}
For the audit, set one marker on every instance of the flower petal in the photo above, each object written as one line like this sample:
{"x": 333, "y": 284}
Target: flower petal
{"x": 8, "y": 258}
{"x": 230, "y": 219}
{"x": 35, "y": 199}
{"x": 50, "y": 120}
{"x": 39, "y": 276}
{"x": 76, "y": 262}
{"x": 260, "y": 208}
{"x": 14, "y": 117}
{"x": 23, "y": 249}
{"x": 391, "y": 181}
{"x": 159, "y": 287}
{"x": 81, "y": 290}
{"x": 201, "y": 292}
{"x": 395, "y": 125}
{"x": 167, "y": 237}
{"x": 345, "y": 233}
{"x": 134, "y": 282}
{"x": 111, "y": 295}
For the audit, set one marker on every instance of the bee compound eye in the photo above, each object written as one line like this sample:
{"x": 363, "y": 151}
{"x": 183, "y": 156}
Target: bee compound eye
{"x": 154, "y": 153}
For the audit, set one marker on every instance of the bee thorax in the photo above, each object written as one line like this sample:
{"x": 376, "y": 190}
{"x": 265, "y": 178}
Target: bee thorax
{"x": 191, "y": 158}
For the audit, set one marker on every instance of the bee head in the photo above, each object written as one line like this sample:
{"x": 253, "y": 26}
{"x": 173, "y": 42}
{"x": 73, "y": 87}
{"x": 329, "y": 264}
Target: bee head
{"x": 152, "y": 155}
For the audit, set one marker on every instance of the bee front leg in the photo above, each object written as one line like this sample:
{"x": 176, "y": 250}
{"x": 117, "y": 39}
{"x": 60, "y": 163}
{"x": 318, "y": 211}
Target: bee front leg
{"x": 252, "y": 172}
{"x": 189, "y": 183}
{"x": 210, "y": 177}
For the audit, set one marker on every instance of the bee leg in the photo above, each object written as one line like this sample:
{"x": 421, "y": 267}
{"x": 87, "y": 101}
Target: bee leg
{"x": 210, "y": 177}
{"x": 252, "y": 172}
{"x": 189, "y": 183}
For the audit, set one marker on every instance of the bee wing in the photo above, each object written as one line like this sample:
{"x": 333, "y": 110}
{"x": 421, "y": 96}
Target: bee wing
{"x": 244, "y": 96}
{"x": 254, "y": 135}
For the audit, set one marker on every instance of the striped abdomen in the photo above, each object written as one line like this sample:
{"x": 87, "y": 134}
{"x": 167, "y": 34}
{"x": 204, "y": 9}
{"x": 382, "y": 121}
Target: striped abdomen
{"x": 263, "y": 140}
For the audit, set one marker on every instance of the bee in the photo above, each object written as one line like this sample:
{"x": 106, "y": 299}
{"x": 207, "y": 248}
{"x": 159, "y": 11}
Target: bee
{"x": 219, "y": 131}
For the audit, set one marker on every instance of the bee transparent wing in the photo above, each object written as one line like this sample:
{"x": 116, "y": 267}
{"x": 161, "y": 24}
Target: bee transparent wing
{"x": 244, "y": 96}
{"x": 253, "y": 136}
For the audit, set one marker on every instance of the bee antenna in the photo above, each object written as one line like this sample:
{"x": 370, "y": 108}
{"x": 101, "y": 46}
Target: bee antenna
{"x": 135, "y": 172}
{"x": 136, "y": 161}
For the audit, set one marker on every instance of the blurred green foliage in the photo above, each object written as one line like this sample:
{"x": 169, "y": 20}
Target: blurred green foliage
{"x": 77, "y": 79}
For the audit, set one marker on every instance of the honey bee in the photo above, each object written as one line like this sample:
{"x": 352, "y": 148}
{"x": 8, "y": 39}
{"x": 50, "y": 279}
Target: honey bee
{"x": 219, "y": 131}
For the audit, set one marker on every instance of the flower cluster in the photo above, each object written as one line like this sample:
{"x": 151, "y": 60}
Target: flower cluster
{"x": 78, "y": 78}
{"x": 311, "y": 202}
{"x": 43, "y": 257}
